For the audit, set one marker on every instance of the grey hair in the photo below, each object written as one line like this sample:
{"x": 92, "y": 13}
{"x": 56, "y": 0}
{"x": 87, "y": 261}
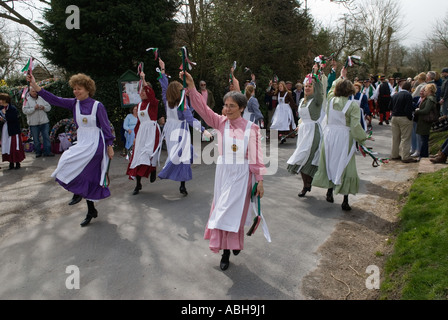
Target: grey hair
{"x": 432, "y": 75}
{"x": 238, "y": 97}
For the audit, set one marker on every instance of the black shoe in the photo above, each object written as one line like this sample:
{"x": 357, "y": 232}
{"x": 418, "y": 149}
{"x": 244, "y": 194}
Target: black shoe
{"x": 49, "y": 155}
{"x": 330, "y": 197}
{"x": 387, "y": 121}
{"x": 137, "y": 189}
{"x": 304, "y": 191}
{"x": 183, "y": 190}
{"x": 11, "y": 166}
{"x": 153, "y": 176}
{"x": 236, "y": 252}
{"x": 38, "y": 155}
{"x": 225, "y": 260}
{"x": 89, "y": 217}
{"x": 17, "y": 166}
{"x": 76, "y": 199}
{"x": 346, "y": 207}
{"x": 381, "y": 123}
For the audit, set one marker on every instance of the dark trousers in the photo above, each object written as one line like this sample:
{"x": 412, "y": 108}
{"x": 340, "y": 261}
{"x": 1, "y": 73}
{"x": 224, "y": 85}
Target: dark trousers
{"x": 424, "y": 149}
{"x": 445, "y": 147}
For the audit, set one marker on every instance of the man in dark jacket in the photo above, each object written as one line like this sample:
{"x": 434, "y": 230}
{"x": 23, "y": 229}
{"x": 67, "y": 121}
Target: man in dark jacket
{"x": 402, "y": 124}
{"x": 383, "y": 95}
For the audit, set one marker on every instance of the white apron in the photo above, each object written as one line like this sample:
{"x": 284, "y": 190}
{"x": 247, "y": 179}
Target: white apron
{"x": 77, "y": 157}
{"x": 231, "y": 181}
{"x": 283, "y": 117}
{"x": 145, "y": 140}
{"x": 6, "y": 140}
{"x": 336, "y": 140}
{"x": 305, "y": 138}
{"x": 171, "y": 133}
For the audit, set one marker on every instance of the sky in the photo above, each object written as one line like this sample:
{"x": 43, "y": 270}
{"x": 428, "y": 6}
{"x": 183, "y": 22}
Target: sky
{"x": 418, "y": 16}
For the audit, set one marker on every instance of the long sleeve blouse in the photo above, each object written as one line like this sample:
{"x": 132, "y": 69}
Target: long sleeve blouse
{"x": 183, "y": 115}
{"x": 352, "y": 116}
{"x": 237, "y": 128}
{"x": 102, "y": 120}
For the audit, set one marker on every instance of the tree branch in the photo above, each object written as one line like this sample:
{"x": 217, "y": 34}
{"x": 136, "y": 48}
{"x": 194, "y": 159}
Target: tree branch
{"x": 17, "y": 17}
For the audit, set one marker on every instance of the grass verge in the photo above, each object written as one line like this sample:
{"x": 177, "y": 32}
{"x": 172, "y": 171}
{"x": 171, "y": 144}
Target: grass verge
{"x": 418, "y": 268}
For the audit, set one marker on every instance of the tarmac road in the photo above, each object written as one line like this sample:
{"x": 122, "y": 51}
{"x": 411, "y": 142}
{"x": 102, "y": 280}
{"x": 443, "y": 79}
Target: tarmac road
{"x": 151, "y": 246}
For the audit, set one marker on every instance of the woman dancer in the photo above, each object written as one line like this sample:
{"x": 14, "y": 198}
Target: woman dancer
{"x": 337, "y": 167}
{"x": 177, "y": 134}
{"x": 239, "y": 167}
{"x": 283, "y": 118}
{"x": 82, "y": 168}
{"x": 148, "y": 139}
{"x": 305, "y": 159}
{"x": 12, "y": 146}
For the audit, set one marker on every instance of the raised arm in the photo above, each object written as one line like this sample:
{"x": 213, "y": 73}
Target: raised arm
{"x": 49, "y": 97}
{"x": 199, "y": 105}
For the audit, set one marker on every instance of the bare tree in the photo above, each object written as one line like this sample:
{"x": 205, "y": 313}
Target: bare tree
{"x": 12, "y": 10}
{"x": 381, "y": 19}
{"x": 439, "y": 33}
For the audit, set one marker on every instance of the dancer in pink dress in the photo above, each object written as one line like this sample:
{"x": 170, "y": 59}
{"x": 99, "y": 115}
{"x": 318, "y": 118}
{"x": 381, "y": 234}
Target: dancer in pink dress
{"x": 240, "y": 165}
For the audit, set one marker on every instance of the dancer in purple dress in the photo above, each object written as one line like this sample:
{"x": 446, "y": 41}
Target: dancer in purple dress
{"x": 177, "y": 134}
{"x": 82, "y": 168}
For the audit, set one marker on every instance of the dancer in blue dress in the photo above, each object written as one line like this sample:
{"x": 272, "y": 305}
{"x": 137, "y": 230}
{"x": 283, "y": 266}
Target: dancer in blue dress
{"x": 176, "y": 133}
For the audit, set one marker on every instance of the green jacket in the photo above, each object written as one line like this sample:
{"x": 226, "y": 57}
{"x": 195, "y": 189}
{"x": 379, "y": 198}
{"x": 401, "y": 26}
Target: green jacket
{"x": 424, "y": 127}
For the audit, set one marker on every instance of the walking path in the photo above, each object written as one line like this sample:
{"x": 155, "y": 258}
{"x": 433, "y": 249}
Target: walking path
{"x": 151, "y": 246}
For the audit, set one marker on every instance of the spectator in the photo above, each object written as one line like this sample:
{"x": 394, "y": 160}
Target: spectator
{"x": 442, "y": 154}
{"x": 128, "y": 125}
{"x": 252, "y": 112}
{"x": 207, "y": 94}
{"x": 424, "y": 127}
{"x": 420, "y": 83}
{"x": 36, "y": 109}
{"x": 431, "y": 77}
{"x": 444, "y": 93}
{"x": 402, "y": 110}
{"x": 363, "y": 102}
{"x": 383, "y": 96}
{"x": 12, "y": 146}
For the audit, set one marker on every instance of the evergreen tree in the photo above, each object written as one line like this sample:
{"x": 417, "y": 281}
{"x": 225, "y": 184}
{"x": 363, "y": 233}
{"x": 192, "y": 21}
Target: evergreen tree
{"x": 113, "y": 34}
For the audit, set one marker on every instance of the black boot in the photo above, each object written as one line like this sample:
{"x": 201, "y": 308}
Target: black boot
{"x": 138, "y": 187}
{"x": 11, "y": 165}
{"x": 92, "y": 213}
{"x": 225, "y": 260}
{"x": 330, "y": 195}
{"x": 182, "y": 188}
{"x": 17, "y": 166}
{"x": 307, "y": 180}
{"x": 153, "y": 176}
{"x": 345, "y": 205}
{"x": 76, "y": 199}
